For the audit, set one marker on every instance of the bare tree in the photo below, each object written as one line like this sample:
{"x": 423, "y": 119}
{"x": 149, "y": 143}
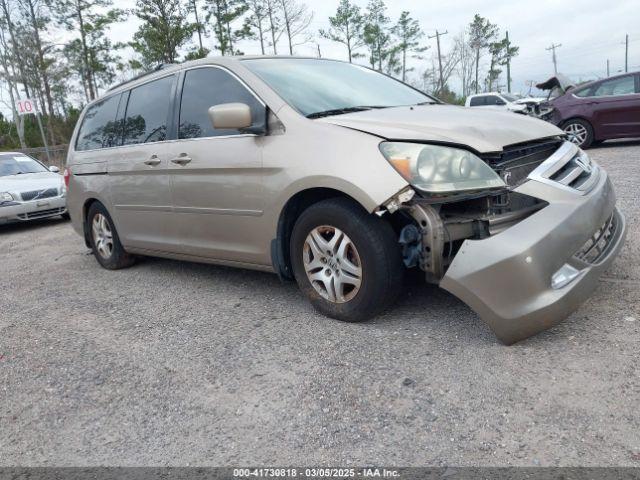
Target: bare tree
{"x": 276, "y": 28}
{"x": 296, "y": 20}
{"x": 36, "y": 16}
{"x": 7, "y": 74}
{"x": 258, "y": 20}
{"x": 466, "y": 62}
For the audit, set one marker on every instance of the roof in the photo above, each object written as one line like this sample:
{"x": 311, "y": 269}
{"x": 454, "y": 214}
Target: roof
{"x": 163, "y": 69}
{"x": 485, "y": 93}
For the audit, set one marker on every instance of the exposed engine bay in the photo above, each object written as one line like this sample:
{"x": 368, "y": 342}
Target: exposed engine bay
{"x": 433, "y": 228}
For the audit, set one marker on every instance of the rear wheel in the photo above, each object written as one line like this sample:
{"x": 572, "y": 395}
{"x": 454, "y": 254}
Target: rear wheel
{"x": 347, "y": 262}
{"x": 104, "y": 239}
{"x": 579, "y": 132}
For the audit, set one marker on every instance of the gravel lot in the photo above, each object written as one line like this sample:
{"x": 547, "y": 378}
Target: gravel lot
{"x": 173, "y": 363}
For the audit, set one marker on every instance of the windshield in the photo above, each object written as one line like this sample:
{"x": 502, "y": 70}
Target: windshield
{"x": 314, "y": 86}
{"x": 19, "y": 164}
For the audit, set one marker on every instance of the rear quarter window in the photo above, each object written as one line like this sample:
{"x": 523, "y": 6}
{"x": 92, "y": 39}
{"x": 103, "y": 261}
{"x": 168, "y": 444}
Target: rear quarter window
{"x": 99, "y": 127}
{"x": 147, "y": 112}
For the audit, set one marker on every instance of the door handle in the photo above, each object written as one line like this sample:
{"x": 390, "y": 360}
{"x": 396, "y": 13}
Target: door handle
{"x": 153, "y": 160}
{"x": 181, "y": 159}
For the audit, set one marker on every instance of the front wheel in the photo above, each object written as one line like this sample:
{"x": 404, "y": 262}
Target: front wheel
{"x": 104, "y": 239}
{"x": 579, "y": 132}
{"x": 347, "y": 262}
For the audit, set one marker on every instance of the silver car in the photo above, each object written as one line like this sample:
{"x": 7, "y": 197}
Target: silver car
{"x": 29, "y": 190}
{"x": 343, "y": 178}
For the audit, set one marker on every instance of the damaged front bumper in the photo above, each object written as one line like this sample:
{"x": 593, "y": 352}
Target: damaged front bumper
{"x": 532, "y": 275}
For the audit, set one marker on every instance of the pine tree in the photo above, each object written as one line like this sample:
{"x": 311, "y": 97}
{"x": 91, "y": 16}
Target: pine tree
{"x": 224, "y": 13}
{"x": 164, "y": 29}
{"x": 409, "y": 34}
{"x": 481, "y": 34}
{"x": 346, "y": 27}
{"x": 91, "y": 52}
{"x": 375, "y": 34}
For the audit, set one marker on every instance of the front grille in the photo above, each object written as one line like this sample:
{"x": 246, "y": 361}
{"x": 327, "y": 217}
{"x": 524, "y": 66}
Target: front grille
{"x": 575, "y": 173}
{"x": 597, "y": 246}
{"x": 42, "y": 213}
{"x": 38, "y": 194}
{"x": 516, "y": 162}
{"x": 569, "y": 168}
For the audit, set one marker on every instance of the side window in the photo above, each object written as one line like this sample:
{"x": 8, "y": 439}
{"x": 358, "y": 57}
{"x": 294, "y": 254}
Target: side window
{"x": 583, "y": 92}
{"x": 493, "y": 100}
{"x": 477, "y": 101}
{"x": 207, "y": 87}
{"x": 99, "y": 128}
{"x": 617, "y": 86}
{"x": 146, "y": 116}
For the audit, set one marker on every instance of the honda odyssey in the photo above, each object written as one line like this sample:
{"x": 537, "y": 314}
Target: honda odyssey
{"x": 342, "y": 178}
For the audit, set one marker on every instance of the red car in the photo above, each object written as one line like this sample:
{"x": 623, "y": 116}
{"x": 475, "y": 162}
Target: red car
{"x": 596, "y": 111}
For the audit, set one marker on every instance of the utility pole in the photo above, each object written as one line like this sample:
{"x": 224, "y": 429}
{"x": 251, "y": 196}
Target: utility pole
{"x": 626, "y": 53}
{"x": 508, "y": 63}
{"x": 437, "y": 37}
{"x": 555, "y": 60}
{"x": 607, "y": 67}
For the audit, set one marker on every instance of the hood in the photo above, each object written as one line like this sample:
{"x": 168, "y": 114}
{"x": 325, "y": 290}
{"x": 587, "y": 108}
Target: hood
{"x": 30, "y": 181}
{"x": 559, "y": 81}
{"x": 531, "y": 100}
{"x": 481, "y": 129}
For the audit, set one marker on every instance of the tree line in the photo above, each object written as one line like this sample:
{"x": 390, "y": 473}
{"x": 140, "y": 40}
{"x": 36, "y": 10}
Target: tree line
{"x": 32, "y": 65}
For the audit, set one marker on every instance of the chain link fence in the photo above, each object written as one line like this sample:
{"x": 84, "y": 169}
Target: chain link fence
{"x": 58, "y": 155}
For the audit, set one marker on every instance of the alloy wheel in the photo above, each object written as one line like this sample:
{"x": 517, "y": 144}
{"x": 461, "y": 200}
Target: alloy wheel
{"x": 577, "y": 133}
{"x": 102, "y": 236}
{"x": 332, "y": 264}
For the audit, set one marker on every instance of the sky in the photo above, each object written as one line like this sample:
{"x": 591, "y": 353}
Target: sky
{"x": 590, "y": 32}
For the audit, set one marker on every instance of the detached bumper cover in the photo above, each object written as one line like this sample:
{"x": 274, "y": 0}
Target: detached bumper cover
{"x": 506, "y": 278}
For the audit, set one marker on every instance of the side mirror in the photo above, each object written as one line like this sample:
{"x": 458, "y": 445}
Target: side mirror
{"x": 54, "y": 169}
{"x": 500, "y": 102}
{"x": 235, "y": 116}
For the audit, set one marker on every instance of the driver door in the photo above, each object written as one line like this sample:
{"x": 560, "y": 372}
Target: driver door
{"x": 216, "y": 175}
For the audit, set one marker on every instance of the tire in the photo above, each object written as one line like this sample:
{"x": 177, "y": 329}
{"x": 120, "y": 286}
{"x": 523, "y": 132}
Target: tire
{"x": 108, "y": 250}
{"x": 359, "y": 240}
{"x": 579, "y": 131}
{"x": 65, "y": 216}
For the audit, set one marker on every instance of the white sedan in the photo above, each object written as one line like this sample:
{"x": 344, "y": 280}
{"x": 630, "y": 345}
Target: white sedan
{"x": 29, "y": 190}
{"x": 496, "y": 101}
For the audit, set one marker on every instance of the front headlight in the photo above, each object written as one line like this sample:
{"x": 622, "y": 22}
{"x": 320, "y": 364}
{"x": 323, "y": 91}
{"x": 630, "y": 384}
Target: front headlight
{"x": 6, "y": 197}
{"x": 438, "y": 169}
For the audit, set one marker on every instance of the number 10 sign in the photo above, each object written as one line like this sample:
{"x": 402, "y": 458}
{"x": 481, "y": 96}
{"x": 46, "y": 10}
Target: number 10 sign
{"x": 26, "y": 106}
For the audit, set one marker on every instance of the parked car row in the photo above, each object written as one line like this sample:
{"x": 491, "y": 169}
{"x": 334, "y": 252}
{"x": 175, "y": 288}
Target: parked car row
{"x": 589, "y": 113}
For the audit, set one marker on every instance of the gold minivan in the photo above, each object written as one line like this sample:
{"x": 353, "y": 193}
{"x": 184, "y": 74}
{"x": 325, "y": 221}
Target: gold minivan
{"x": 343, "y": 178}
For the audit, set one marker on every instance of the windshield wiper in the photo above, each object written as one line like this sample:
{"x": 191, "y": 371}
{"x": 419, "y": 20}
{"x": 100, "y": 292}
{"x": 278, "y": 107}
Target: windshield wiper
{"x": 341, "y": 111}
